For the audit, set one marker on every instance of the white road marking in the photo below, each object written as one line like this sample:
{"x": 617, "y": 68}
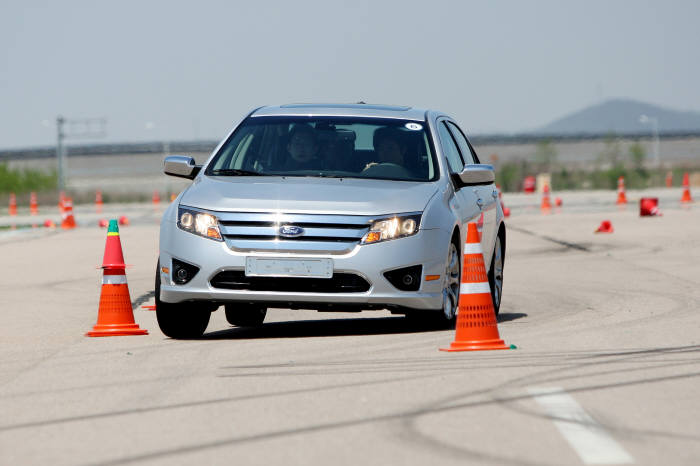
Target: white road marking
{"x": 588, "y": 438}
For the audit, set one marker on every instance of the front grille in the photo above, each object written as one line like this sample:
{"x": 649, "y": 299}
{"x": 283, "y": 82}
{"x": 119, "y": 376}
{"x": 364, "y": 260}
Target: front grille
{"x": 260, "y": 231}
{"x": 338, "y": 283}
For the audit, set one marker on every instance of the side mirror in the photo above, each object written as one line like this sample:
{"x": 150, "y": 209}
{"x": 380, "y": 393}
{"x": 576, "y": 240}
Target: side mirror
{"x": 476, "y": 174}
{"x": 181, "y": 166}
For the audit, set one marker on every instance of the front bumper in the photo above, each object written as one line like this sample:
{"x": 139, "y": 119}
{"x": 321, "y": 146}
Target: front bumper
{"x": 428, "y": 248}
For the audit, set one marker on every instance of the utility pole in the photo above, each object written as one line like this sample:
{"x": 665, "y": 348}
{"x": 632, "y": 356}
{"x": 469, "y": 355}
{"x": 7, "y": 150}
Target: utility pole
{"x": 60, "y": 154}
{"x": 654, "y": 134}
{"x": 82, "y": 128}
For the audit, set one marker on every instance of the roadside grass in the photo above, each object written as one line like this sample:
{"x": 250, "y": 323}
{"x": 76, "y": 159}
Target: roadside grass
{"x": 20, "y": 181}
{"x": 510, "y": 176}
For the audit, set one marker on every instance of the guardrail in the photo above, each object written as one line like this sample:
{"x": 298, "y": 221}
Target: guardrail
{"x": 207, "y": 146}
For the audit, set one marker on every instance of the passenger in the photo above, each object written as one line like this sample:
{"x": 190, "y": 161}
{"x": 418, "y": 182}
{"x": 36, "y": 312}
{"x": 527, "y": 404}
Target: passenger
{"x": 303, "y": 149}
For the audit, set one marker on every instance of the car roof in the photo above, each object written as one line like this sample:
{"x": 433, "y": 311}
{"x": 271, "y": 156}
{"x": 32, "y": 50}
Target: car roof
{"x": 355, "y": 110}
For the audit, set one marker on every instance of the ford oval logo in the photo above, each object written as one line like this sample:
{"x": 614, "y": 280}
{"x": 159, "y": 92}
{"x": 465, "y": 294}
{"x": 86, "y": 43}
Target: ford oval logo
{"x": 291, "y": 230}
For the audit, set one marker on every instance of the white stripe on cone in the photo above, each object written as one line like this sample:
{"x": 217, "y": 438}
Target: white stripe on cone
{"x": 114, "y": 279}
{"x": 474, "y": 288}
{"x": 473, "y": 248}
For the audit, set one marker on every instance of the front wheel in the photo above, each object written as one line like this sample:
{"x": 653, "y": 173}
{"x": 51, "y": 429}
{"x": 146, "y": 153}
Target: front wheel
{"x": 496, "y": 273}
{"x": 447, "y": 316}
{"x": 179, "y": 320}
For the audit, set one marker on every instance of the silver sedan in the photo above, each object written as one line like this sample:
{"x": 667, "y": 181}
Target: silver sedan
{"x": 328, "y": 207}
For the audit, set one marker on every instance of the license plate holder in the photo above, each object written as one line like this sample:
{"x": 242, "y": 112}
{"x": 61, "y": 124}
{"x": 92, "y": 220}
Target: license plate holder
{"x": 286, "y": 267}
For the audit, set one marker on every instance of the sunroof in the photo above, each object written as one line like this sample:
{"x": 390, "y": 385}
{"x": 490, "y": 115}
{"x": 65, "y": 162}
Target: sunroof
{"x": 392, "y": 108}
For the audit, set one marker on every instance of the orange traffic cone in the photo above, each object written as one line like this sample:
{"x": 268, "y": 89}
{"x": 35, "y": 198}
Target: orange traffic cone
{"x": 173, "y": 196}
{"x": 686, "y": 189}
{"x": 669, "y": 179}
{"x": 12, "y": 209}
{"x": 156, "y": 198}
{"x": 621, "y": 197}
{"x": 114, "y": 316}
{"x": 98, "y": 201}
{"x": 68, "y": 221}
{"x": 33, "y": 204}
{"x": 546, "y": 205}
{"x": 477, "y": 328}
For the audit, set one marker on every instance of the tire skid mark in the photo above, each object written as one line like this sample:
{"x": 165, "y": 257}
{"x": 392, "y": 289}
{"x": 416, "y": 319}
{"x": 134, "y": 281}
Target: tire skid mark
{"x": 144, "y": 298}
{"x": 407, "y": 414}
{"x": 409, "y": 423}
{"x": 256, "y": 396}
{"x": 567, "y": 244}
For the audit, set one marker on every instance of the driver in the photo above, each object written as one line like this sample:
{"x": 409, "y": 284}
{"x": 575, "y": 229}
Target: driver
{"x": 389, "y": 147}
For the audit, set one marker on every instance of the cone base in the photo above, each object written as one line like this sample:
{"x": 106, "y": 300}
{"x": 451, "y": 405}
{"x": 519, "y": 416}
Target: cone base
{"x": 478, "y": 345}
{"x": 116, "y": 330}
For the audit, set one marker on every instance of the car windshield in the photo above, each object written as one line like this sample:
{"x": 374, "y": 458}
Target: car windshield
{"x": 341, "y": 147}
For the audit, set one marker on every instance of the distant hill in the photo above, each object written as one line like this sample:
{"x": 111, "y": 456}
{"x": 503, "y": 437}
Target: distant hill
{"x": 622, "y": 116}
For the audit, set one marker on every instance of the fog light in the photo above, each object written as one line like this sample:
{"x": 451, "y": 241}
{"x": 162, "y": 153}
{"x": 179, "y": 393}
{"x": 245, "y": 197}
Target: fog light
{"x": 183, "y": 272}
{"x": 405, "y": 278}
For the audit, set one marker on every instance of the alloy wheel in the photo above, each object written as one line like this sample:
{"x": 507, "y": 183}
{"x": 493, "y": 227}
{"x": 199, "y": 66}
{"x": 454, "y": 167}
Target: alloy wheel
{"x": 450, "y": 292}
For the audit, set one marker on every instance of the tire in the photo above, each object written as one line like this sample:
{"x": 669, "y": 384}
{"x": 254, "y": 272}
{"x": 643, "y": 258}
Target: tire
{"x": 496, "y": 273}
{"x": 447, "y": 316}
{"x": 245, "y": 315}
{"x": 180, "y": 320}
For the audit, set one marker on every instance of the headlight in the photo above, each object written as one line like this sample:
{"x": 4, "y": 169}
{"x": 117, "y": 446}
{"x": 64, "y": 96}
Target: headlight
{"x": 385, "y": 229}
{"x": 199, "y": 223}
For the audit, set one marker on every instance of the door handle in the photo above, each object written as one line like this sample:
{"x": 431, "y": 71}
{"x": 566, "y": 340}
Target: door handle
{"x": 480, "y": 203}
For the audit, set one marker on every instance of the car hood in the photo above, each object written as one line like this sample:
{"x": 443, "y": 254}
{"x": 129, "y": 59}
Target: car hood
{"x": 348, "y": 196}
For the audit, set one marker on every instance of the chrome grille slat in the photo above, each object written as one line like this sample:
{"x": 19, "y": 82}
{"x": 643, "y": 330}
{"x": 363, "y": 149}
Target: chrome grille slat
{"x": 260, "y": 232}
{"x": 317, "y": 239}
{"x": 299, "y": 224}
{"x": 329, "y": 247}
{"x": 272, "y": 232}
{"x": 280, "y": 218}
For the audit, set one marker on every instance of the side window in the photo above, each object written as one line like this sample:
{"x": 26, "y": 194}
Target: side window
{"x": 464, "y": 147}
{"x": 450, "y": 149}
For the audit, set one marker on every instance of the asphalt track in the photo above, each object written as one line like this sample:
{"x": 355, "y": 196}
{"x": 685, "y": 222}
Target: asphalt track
{"x": 607, "y": 369}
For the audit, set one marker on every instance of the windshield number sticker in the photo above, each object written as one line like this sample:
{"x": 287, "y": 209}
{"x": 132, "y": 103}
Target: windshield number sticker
{"x": 414, "y": 126}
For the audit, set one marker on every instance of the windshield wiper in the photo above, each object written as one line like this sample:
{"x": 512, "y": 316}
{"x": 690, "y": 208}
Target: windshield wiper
{"x": 234, "y": 172}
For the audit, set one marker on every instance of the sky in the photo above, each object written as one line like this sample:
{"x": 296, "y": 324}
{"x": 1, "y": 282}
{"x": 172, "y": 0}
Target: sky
{"x": 170, "y": 70}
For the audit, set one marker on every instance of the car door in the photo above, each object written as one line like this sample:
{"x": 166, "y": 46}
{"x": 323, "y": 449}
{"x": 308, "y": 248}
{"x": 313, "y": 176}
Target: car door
{"x": 487, "y": 195}
{"x": 464, "y": 201}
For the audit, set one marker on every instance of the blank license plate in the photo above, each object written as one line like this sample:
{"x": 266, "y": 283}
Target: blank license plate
{"x": 264, "y": 267}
